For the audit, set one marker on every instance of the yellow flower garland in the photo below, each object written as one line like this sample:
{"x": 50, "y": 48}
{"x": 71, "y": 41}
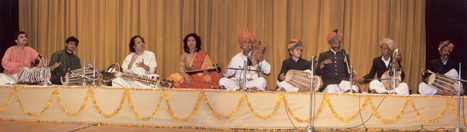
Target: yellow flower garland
{"x": 202, "y": 96}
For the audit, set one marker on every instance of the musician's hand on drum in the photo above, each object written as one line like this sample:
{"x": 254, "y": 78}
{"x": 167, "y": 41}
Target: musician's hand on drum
{"x": 327, "y": 61}
{"x": 282, "y": 77}
{"x": 302, "y": 90}
{"x": 225, "y": 70}
{"x": 55, "y": 65}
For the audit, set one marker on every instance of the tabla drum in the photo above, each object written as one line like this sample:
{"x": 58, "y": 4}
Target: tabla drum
{"x": 302, "y": 79}
{"x": 75, "y": 77}
{"x": 34, "y": 75}
{"x": 443, "y": 83}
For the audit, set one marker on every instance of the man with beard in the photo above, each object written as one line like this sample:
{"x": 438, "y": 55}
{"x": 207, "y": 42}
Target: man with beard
{"x": 442, "y": 65}
{"x": 64, "y": 60}
{"x": 380, "y": 65}
{"x": 245, "y": 40}
{"x": 17, "y": 57}
{"x": 332, "y": 67}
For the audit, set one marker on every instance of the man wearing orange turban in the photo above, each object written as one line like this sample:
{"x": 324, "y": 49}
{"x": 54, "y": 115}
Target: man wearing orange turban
{"x": 245, "y": 40}
{"x": 333, "y": 68}
{"x": 442, "y": 65}
{"x": 381, "y": 65}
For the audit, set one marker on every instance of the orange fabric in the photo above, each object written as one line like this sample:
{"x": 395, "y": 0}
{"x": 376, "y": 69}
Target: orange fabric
{"x": 201, "y": 80}
{"x": 242, "y": 36}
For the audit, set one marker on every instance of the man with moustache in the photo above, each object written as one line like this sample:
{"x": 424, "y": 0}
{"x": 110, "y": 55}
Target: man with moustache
{"x": 380, "y": 65}
{"x": 442, "y": 65}
{"x": 64, "y": 60}
{"x": 332, "y": 67}
{"x": 17, "y": 57}
{"x": 246, "y": 40}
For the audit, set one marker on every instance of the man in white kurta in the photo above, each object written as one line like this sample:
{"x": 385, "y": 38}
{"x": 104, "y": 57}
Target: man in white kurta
{"x": 246, "y": 39}
{"x": 140, "y": 62}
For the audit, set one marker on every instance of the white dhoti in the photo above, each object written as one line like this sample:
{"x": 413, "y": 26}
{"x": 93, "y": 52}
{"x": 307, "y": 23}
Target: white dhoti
{"x": 343, "y": 86}
{"x": 230, "y": 84}
{"x": 122, "y": 83}
{"x": 8, "y": 79}
{"x": 402, "y": 89}
{"x": 426, "y": 89}
{"x": 286, "y": 86}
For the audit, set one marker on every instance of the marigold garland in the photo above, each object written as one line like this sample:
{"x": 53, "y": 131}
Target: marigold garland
{"x": 94, "y": 101}
{"x": 130, "y": 102}
{"x": 7, "y": 101}
{"x": 202, "y": 96}
{"x": 342, "y": 118}
{"x": 386, "y": 121}
{"x": 49, "y": 103}
{"x": 83, "y": 105}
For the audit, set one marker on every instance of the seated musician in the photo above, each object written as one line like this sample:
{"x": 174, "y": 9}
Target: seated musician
{"x": 17, "y": 57}
{"x": 63, "y": 61}
{"x": 139, "y": 62}
{"x": 332, "y": 68}
{"x": 381, "y": 64}
{"x": 194, "y": 59}
{"x": 442, "y": 65}
{"x": 295, "y": 62}
{"x": 245, "y": 40}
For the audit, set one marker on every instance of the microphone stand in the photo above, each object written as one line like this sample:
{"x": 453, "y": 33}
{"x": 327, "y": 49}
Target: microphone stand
{"x": 349, "y": 70}
{"x": 244, "y": 75}
{"x": 459, "y": 100}
{"x": 44, "y": 71}
{"x": 310, "y": 127}
{"x": 84, "y": 73}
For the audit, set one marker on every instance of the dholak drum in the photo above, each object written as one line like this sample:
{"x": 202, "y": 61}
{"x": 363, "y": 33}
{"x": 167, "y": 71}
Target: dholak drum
{"x": 301, "y": 79}
{"x": 443, "y": 83}
{"x": 34, "y": 75}
{"x": 75, "y": 77}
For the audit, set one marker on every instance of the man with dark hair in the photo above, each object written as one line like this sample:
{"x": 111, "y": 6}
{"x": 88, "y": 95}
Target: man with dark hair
{"x": 64, "y": 60}
{"x": 16, "y": 57}
{"x": 140, "y": 62}
{"x": 442, "y": 65}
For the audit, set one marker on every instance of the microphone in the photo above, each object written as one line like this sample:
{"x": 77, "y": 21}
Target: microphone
{"x": 345, "y": 60}
{"x": 39, "y": 57}
{"x": 313, "y": 58}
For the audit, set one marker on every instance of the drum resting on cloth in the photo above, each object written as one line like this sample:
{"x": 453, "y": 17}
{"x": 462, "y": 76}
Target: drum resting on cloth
{"x": 443, "y": 83}
{"x": 302, "y": 79}
{"x": 114, "y": 71}
{"x": 75, "y": 77}
{"x": 34, "y": 75}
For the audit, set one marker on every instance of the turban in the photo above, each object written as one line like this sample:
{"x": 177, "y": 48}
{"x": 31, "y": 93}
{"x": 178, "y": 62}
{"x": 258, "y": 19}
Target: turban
{"x": 388, "y": 41}
{"x": 244, "y": 35}
{"x": 333, "y": 36}
{"x": 294, "y": 43}
{"x": 446, "y": 43}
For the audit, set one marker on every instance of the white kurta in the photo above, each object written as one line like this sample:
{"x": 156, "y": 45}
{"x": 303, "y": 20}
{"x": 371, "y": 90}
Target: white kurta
{"x": 149, "y": 60}
{"x": 426, "y": 89}
{"x": 342, "y": 87}
{"x": 238, "y": 61}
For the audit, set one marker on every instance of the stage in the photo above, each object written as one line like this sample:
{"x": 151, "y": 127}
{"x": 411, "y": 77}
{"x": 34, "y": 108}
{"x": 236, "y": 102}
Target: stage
{"x": 226, "y": 110}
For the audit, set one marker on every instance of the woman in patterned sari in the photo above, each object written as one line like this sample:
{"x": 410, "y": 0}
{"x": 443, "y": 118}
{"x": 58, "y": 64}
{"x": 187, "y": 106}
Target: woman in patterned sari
{"x": 194, "y": 59}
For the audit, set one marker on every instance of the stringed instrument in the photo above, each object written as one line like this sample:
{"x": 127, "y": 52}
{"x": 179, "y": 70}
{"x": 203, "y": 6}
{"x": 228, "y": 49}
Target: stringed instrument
{"x": 397, "y": 79}
{"x": 215, "y": 67}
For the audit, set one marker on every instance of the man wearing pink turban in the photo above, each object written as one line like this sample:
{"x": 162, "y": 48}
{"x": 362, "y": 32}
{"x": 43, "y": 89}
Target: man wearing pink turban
{"x": 246, "y": 41}
{"x": 332, "y": 67}
{"x": 442, "y": 65}
{"x": 380, "y": 65}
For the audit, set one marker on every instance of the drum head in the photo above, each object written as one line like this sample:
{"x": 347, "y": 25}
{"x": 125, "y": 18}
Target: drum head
{"x": 431, "y": 79}
{"x": 289, "y": 75}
